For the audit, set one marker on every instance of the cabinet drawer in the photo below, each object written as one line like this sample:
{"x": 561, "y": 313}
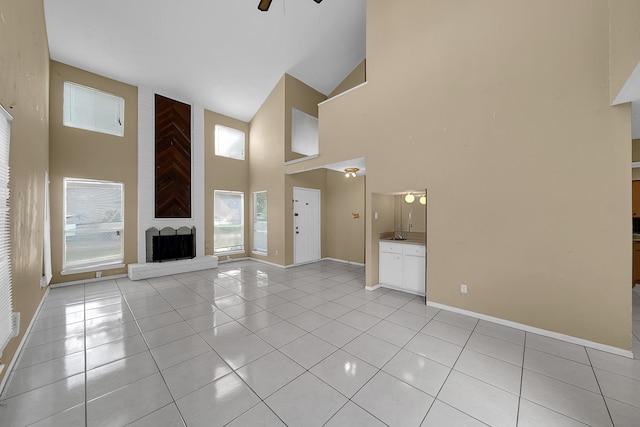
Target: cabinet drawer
{"x": 394, "y": 248}
{"x": 415, "y": 250}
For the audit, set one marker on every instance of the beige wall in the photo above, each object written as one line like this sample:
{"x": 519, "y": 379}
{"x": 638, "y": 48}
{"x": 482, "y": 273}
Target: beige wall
{"x": 384, "y": 206}
{"x": 24, "y": 93}
{"x": 78, "y": 153}
{"x": 625, "y": 43}
{"x": 266, "y": 141}
{"x": 302, "y": 97}
{"x": 355, "y": 77}
{"x": 222, "y": 173}
{"x": 345, "y": 234}
{"x": 635, "y": 150}
{"x": 525, "y": 161}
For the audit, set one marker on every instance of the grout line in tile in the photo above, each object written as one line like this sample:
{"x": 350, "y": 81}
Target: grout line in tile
{"x": 600, "y": 388}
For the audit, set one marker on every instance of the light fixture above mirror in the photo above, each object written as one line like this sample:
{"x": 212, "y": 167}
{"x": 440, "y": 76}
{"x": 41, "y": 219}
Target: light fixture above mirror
{"x": 410, "y": 198}
{"x": 351, "y": 172}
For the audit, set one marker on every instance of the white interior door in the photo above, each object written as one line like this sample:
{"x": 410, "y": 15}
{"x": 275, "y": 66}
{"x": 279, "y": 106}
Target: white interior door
{"x": 306, "y": 225}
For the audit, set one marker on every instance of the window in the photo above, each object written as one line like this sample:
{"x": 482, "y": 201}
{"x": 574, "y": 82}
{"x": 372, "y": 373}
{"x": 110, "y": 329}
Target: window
{"x": 228, "y": 222}
{"x": 93, "y": 224}
{"x": 91, "y": 109}
{"x": 304, "y": 133}
{"x": 229, "y": 142}
{"x": 260, "y": 222}
{"x": 7, "y": 327}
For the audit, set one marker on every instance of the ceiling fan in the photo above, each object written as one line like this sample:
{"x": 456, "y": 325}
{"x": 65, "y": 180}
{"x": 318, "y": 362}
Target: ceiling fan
{"x": 264, "y": 4}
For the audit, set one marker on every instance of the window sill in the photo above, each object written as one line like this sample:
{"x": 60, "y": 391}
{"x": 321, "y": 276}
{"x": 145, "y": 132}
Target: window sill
{"x": 92, "y": 268}
{"x": 222, "y": 254}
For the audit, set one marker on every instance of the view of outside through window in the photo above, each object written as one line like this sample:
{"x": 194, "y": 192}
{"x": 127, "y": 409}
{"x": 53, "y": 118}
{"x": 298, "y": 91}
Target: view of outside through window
{"x": 228, "y": 221}
{"x": 229, "y": 142}
{"x": 260, "y": 222}
{"x": 93, "y": 223}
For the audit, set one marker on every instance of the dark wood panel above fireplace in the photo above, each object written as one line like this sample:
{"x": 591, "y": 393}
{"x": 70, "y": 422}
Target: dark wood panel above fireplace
{"x": 173, "y": 159}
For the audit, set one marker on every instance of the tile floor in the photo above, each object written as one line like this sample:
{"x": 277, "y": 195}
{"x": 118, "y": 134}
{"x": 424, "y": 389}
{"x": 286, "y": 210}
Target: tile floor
{"x": 253, "y": 345}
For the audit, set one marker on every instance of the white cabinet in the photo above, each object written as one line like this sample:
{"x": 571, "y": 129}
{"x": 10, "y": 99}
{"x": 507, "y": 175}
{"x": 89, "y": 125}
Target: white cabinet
{"x": 402, "y": 266}
{"x": 390, "y": 270}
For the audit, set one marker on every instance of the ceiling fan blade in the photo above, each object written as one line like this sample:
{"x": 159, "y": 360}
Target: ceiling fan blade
{"x": 264, "y": 5}
{"x": 318, "y": 1}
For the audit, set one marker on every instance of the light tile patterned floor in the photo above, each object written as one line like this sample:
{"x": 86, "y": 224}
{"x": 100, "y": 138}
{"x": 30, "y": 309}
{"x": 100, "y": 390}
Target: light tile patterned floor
{"x": 248, "y": 344}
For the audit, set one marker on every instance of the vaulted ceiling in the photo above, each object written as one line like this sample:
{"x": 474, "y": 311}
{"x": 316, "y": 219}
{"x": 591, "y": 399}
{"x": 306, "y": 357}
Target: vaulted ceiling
{"x": 224, "y": 55}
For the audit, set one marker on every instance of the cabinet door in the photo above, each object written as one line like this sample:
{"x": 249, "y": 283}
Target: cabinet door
{"x": 413, "y": 273}
{"x": 390, "y": 270}
{"x": 636, "y": 263}
{"x": 635, "y": 198}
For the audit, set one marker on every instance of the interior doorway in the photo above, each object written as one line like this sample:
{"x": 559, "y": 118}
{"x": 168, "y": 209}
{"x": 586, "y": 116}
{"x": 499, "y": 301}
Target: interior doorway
{"x": 306, "y": 225}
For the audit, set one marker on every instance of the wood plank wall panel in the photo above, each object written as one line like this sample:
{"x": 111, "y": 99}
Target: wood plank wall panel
{"x": 173, "y": 159}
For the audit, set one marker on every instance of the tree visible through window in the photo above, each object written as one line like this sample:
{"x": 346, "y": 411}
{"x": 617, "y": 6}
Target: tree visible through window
{"x": 93, "y": 223}
{"x": 228, "y": 221}
{"x": 260, "y": 222}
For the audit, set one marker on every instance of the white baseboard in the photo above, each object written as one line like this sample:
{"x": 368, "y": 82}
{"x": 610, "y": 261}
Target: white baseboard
{"x": 157, "y": 269}
{"x": 381, "y": 285}
{"x": 17, "y": 354}
{"x": 543, "y": 332}
{"x": 359, "y": 264}
{"x": 82, "y": 282}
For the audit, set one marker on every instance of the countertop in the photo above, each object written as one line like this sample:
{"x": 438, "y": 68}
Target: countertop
{"x": 407, "y": 241}
{"x": 412, "y": 238}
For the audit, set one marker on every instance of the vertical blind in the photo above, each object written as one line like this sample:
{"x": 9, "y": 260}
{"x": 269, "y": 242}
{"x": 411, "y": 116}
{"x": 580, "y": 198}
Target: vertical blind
{"x": 6, "y": 324}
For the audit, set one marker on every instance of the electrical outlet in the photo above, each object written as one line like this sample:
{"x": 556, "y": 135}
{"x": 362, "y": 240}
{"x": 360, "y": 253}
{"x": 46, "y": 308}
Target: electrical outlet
{"x": 276, "y": 252}
{"x": 463, "y": 288}
{"x": 98, "y": 274}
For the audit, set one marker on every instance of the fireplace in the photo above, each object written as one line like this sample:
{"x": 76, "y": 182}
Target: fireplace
{"x": 169, "y": 244}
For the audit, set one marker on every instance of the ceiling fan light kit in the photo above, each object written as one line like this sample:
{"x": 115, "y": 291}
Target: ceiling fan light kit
{"x": 264, "y": 4}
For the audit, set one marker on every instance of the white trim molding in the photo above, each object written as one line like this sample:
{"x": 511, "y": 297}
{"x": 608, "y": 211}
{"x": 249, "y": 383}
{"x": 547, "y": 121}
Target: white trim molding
{"x": 532, "y": 329}
{"x": 18, "y": 353}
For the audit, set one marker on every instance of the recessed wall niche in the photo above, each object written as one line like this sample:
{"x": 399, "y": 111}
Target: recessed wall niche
{"x": 172, "y": 159}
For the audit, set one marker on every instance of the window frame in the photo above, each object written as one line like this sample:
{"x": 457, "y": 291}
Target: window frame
{"x": 230, "y": 250}
{"x": 255, "y": 250}
{"x": 67, "y": 110}
{"x": 218, "y": 141}
{"x": 8, "y": 328}
{"x": 95, "y": 264}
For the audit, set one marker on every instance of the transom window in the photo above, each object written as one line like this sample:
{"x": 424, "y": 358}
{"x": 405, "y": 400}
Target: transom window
{"x": 91, "y": 109}
{"x": 229, "y": 142}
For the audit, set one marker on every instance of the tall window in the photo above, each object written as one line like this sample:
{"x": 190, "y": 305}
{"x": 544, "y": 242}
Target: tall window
{"x": 91, "y": 109}
{"x": 228, "y": 221}
{"x": 93, "y": 212}
{"x": 7, "y": 327}
{"x": 229, "y": 142}
{"x": 260, "y": 222}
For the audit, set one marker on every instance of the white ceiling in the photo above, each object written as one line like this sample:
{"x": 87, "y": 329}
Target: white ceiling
{"x": 224, "y": 55}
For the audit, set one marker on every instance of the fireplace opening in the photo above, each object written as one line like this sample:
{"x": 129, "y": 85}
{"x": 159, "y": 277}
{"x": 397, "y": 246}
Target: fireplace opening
{"x": 170, "y": 244}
